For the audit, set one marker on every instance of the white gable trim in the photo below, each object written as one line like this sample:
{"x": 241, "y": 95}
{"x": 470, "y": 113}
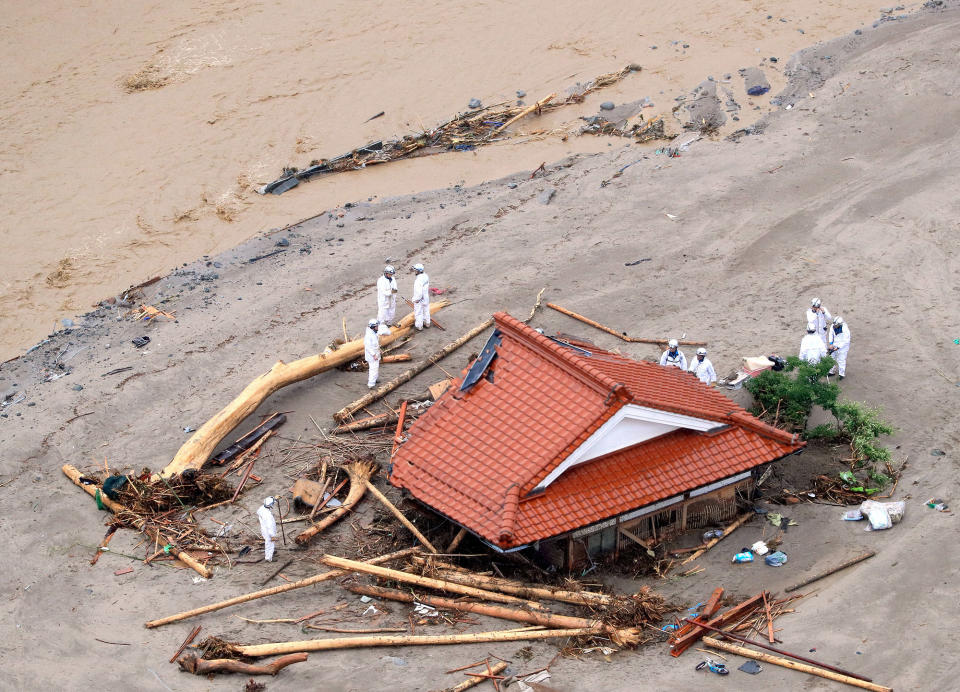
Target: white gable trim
{"x": 620, "y": 432}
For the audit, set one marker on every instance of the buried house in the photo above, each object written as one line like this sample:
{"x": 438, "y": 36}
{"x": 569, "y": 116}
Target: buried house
{"x": 572, "y": 449}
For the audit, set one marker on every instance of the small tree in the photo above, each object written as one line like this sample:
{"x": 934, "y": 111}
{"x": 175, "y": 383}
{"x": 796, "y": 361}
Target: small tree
{"x": 786, "y": 397}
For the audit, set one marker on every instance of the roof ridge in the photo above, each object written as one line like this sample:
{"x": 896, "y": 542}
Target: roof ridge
{"x": 580, "y": 365}
{"x": 747, "y": 420}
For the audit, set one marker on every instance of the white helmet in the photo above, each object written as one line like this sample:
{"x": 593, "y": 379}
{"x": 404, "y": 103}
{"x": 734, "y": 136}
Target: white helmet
{"x": 811, "y": 327}
{"x": 418, "y": 267}
{"x": 672, "y": 343}
{"x": 389, "y": 269}
{"x": 268, "y": 502}
{"x": 701, "y": 351}
{"x": 837, "y": 320}
{"x": 373, "y": 323}
{"x": 815, "y": 303}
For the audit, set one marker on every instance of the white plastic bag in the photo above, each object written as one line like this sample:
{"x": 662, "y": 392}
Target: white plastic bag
{"x": 882, "y": 515}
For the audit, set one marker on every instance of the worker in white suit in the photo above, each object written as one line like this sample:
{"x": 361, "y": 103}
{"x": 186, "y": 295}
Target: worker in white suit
{"x": 703, "y": 368}
{"x": 268, "y": 528}
{"x": 821, "y": 319}
{"x": 673, "y": 357}
{"x": 812, "y": 348}
{"x": 387, "y": 296}
{"x": 421, "y": 298}
{"x": 371, "y": 352}
{"x": 839, "y": 346}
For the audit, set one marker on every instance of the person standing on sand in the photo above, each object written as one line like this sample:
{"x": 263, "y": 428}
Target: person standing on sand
{"x": 821, "y": 319}
{"x": 673, "y": 357}
{"x": 371, "y": 352}
{"x": 812, "y": 348}
{"x": 268, "y": 528}
{"x": 421, "y": 298}
{"x": 703, "y": 368}
{"x": 839, "y": 346}
{"x": 387, "y": 296}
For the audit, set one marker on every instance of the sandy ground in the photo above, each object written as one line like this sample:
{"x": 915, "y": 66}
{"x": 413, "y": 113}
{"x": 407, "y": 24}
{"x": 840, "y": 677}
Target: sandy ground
{"x": 851, "y": 194}
{"x": 133, "y": 138}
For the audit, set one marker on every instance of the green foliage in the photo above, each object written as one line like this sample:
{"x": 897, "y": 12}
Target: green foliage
{"x": 862, "y": 425}
{"x": 787, "y": 396}
{"x": 824, "y": 431}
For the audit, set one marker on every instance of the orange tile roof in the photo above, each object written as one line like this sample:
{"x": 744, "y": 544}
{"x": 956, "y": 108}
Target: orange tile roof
{"x": 475, "y": 456}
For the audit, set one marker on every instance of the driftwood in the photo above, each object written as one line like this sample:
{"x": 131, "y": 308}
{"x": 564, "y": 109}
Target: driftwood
{"x": 139, "y": 522}
{"x": 263, "y": 593}
{"x": 379, "y": 420}
{"x": 427, "y": 582}
{"x": 475, "y": 680}
{"x": 396, "y": 357}
{"x": 525, "y": 112}
{"x": 197, "y": 450}
{"x": 199, "y": 666}
{"x": 348, "y": 410}
{"x": 259, "y": 650}
{"x": 818, "y": 577}
{"x": 186, "y": 642}
{"x": 360, "y": 473}
{"x": 620, "y": 335}
{"x": 786, "y": 663}
{"x": 740, "y": 521}
{"x": 403, "y": 520}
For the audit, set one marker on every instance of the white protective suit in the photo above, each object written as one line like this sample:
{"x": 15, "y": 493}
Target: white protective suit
{"x": 841, "y": 344}
{"x": 704, "y": 371}
{"x": 386, "y": 299}
{"x": 268, "y": 528}
{"x": 812, "y": 348}
{"x": 677, "y": 361}
{"x": 421, "y": 300}
{"x": 371, "y": 354}
{"x": 822, "y": 320}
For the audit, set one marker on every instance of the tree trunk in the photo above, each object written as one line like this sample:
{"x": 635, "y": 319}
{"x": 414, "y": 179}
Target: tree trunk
{"x": 200, "y": 666}
{"x": 359, "y": 472}
{"x": 197, "y": 450}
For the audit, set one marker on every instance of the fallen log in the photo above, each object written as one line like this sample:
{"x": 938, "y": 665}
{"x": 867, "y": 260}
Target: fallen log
{"x": 396, "y": 357}
{"x": 128, "y": 517}
{"x": 432, "y": 321}
{"x": 786, "y": 663}
{"x": 620, "y": 335}
{"x": 427, "y": 582}
{"x": 551, "y": 620}
{"x": 263, "y": 593}
{"x": 818, "y": 577}
{"x": 740, "y": 521}
{"x": 259, "y": 650}
{"x": 403, "y": 520}
{"x": 197, "y": 450}
{"x": 381, "y": 419}
{"x": 348, "y": 410}
{"x": 360, "y": 473}
{"x": 199, "y": 666}
{"x": 477, "y": 679}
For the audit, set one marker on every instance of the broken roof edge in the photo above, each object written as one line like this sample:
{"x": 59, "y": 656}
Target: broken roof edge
{"x": 747, "y": 420}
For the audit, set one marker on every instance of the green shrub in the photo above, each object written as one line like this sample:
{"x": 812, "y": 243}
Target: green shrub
{"x": 862, "y": 425}
{"x": 786, "y": 397}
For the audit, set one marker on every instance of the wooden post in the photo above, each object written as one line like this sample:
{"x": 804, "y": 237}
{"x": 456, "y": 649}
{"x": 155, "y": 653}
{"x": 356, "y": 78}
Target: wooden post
{"x": 620, "y": 335}
{"x": 786, "y": 663}
{"x": 129, "y": 517}
{"x": 817, "y": 577}
{"x": 263, "y": 593}
{"x": 403, "y": 520}
{"x": 385, "y": 389}
{"x": 259, "y": 650}
{"x": 457, "y": 540}
{"x": 196, "y": 451}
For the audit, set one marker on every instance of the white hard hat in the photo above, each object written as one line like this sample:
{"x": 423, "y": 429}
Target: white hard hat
{"x": 838, "y": 320}
{"x": 672, "y": 343}
{"x": 389, "y": 269}
{"x": 373, "y": 323}
{"x": 268, "y": 502}
{"x": 815, "y": 303}
{"x": 701, "y": 351}
{"x": 418, "y": 267}
{"x": 811, "y": 327}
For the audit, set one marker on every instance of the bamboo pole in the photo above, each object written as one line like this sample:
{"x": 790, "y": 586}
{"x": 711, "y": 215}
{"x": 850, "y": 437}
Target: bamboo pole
{"x": 818, "y": 577}
{"x": 127, "y": 516}
{"x": 359, "y": 472}
{"x": 740, "y": 521}
{"x": 263, "y": 593}
{"x": 786, "y": 663}
{"x": 259, "y": 650}
{"x": 195, "y": 452}
{"x": 405, "y": 377}
{"x": 551, "y": 620}
{"x": 438, "y": 584}
{"x": 525, "y": 112}
{"x": 475, "y": 680}
{"x": 620, "y": 335}
{"x": 403, "y": 520}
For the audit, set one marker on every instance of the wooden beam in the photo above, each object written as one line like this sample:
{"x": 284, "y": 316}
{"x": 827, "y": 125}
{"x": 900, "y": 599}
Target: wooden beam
{"x": 620, "y": 335}
{"x": 681, "y": 643}
{"x": 399, "y": 515}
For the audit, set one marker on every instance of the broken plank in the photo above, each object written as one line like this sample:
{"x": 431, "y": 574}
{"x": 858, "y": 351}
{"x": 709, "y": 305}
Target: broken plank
{"x": 681, "y": 643}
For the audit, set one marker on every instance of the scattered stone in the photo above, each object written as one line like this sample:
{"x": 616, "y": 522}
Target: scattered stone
{"x": 858, "y": 32}
{"x": 77, "y": 388}
{"x": 67, "y": 323}
{"x": 754, "y": 81}
{"x": 474, "y": 103}
{"x": 521, "y": 93}
{"x": 31, "y": 403}
{"x": 209, "y": 276}
{"x": 512, "y": 186}
{"x": 607, "y": 106}
{"x": 937, "y": 453}
{"x": 773, "y": 59}
{"x": 546, "y": 196}
{"x": 283, "y": 242}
